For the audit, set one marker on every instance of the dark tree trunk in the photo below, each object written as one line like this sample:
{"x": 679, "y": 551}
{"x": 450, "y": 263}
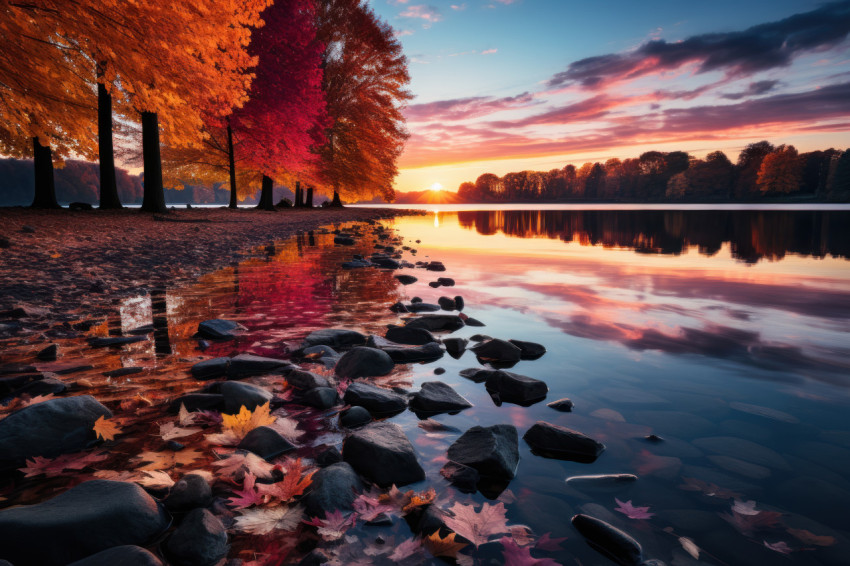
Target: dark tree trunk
{"x": 309, "y": 202}
{"x": 106, "y": 156}
{"x": 266, "y": 197}
{"x": 231, "y": 165}
{"x": 154, "y": 196}
{"x": 298, "y": 199}
{"x": 336, "y": 201}
{"x": 45, "y": 188}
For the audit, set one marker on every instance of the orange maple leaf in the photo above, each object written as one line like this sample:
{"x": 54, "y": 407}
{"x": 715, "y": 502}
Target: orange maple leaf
{"x": 419, "y": 499}
{"x": 443, "y": 546}
{"x": 105, "y": 428}
{"x": 293, "y": 483}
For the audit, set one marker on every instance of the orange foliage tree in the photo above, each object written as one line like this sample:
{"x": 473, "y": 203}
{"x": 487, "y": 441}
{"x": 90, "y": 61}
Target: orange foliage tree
{"x": 365, "y": 83}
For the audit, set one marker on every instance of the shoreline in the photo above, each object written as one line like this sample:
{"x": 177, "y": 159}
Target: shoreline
{"x": 56, "y": 262}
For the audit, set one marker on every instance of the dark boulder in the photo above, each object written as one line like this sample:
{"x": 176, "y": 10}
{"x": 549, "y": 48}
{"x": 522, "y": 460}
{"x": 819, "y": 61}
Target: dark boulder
{"x": 422, "y": 307}
{"x": 455, "y": 346}
{"x": 49, "y": 429}
{"x": 325, "y": 355}
{"x": 200, "y": 540}
{"x": 478, "y": 375}
{"x": 376, "y": 400}
{"x": 190, "y": 492}
{"x": 198, "y": 402}
{"x": 563, "y": 405}
{"x": 364, "y": 362}
{"x": 266, "y": 443}
{"x": 354, "y": 417}
{"x": 464, "y": 478}
{"x": 48, "y": 354}
{"x": 459, "y": 303}
{"x": 435, "y": 266}
{"x": 237, "y": 395}
{"x": 126, "y": 555}
{"x": 334, "y": 487}
{"x": 436, "y": 322}
{"x": 45, "y": 386}
{"x": 409, "y": 335}
{"x": 398, "y": 307}
{"x": 529, "y": 350}
{"x": 320, "y": 398}
{"x": 408, "y": 355}
{"x": 406, "y": 279}
{"x": 446, "y": 281}
{"x": 437, "y": 397}
{"x": 514, "y": 388}
{"x": 305, "y": 380}
{"x": 343, "y": 241}
{"x": 554, "y": 441}
{"x": 84, "y": 520}
{"x": 328, "y": 457}
{"x": 386, "y": 262}
{"x": 473, "y": 322}
{"x": 446, "y": 303}
{"x": 382, "y": 453}
{"x": 609, "y": 540}
{"x": 335, "y": 338}
{"x": 496, "y": 350}
{"x": 211, "y": 369}
{"x": 492, "y": 451}
{"x": 219, "y": 329}
{"x": 245, "y": 365}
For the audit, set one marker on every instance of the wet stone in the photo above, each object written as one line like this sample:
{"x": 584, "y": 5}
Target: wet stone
{"x": 328, "y": 457}
{"x": 266, "y": 443}
{"x": 564, "y": 405}
{"x": 121, "y": 372}
{"x": 473, "y": 322}
{"x": 198, "y": 402}
{"x": 364, "y": 362}
{"x": 48, "y": 354}
{"x": 455, "y": 346}
{"x": 609, "y": 540}
{"x": 409, "y": 335}
{"x": 398, "y": 308}
{"x": 459, "y": 303}
{"x": 377, "y": 400}
{"x": 91, "y": 517}
{"x": 422, "y": 307}
{"x": 383, "y": 454}
{"x": 437, "y": 322}
{"x": 446, "y": 303}
{"x": 406, "y": 279}
{"x": 219, "y": 329}
{"x": 513, "y": 387}
{"x": 237, "y": 395}
{"x": 354, "y": 417}
{"x": 320, "y": 398}
{"x": 210, "y": 369}
{"x": 435, "y": 266}
{"x": 199, "y": 540}
{"x": 334, "y": 487}
{"x": 496, "y": 350}
{"x": 305, "y": 380}
{"x": 529, "y": 350}
{"x": 191, "y": 491}
{"x": 335, "y": 338}
{"x": 464, "y": 478}
{"x": 407, "y": 355}
{"x": 437, "y": 397}
{"x": 554, "y": 441}
{"x": 446, "y": 281}
{"x": 245, "y": 365}
{"x": 492, "y": 451}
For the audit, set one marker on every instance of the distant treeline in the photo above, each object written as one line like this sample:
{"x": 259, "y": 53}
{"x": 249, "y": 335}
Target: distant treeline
{"x": 763, "y": 171}
{"x": 751, "y": 235}
{"x": 79, "y": 181}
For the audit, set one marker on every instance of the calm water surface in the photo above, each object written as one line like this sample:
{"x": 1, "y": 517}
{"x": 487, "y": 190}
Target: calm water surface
{"x": 724, "y": 333}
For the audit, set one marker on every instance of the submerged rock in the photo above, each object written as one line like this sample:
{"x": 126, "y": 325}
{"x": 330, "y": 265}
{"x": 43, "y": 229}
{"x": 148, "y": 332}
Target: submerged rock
{"x": 513, "y": 387}
{"x": 91, "y": 517}
{"x": 464, "y": 478}
{"x": 409, "y": 335}
{"x": 266, "y": 443}
{"x": 383, "y": 454}
{"x": 335, "y": 338}
{"x": 49, "y": 429}
{"x": 48, "y": 354}
{"x": 320, "y": 398}
{"x": 364, "y": 362}
{"x": 437, "y": 397}
{"x": 376, "y": 400}
{"x": 554, "y": 441}
{"x": 219, "y": 329}
{"x": 436, "y": 322}
{"x": 492, "y": 451}
{"x": 609, "y": 540}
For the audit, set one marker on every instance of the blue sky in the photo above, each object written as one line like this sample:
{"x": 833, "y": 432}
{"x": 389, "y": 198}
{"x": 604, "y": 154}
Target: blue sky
{"x": 484, "y": 75}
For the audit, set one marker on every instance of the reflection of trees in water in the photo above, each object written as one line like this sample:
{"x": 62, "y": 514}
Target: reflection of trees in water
{"x": 752, "y": 235}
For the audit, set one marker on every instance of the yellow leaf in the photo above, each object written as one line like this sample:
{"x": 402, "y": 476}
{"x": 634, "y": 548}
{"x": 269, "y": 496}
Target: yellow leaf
{"x": 443, "y": 546}
{"x": 105, "y": 428}
{"x": 246, "y": 421}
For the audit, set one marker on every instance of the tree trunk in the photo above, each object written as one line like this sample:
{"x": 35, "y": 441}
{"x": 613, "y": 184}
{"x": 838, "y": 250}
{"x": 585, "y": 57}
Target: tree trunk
{"x": 45, "y": 188}
{"x": 336, "y": 201}
{"x": 106, "y": 156}
{"x": 297, "y": 203}
{"x": 266, "y": 197}
{"x": 154, "y": 196}
{"x": 309, "y": 202}
{"x": 232, "y": 166}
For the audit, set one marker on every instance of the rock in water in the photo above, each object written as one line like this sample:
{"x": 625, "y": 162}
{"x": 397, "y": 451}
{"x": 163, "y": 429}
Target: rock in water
{"x": 493, "y": 450}
{"x": 436, "y": 322}
{"x": 127, "y": 555}
{"x": 376, "y": 400}
{"x": 48, "y": 354}
{"x": 446, "y": 303}
{"x": 354, "y": 417}
{"x": 406, "y": 279}
{"x": 305, "y": 380}
{"x": 237, "y": 395}
{"x": 190, "y": 492}
{"x": 437, "y": 397}
{"x": 455, "y": 346}
{"x": 428, "y": 353}
{"x": 409, "y": 335}
{"x": 88, "y": 518}
{"x": 462, "y": 477}
{"x": 609, "y": 540}
{"x": 553, "y": 441}
{"x": 266, "y": 443}
{"x": 335, "y": 338}
{"x": 200, "y": 540}
{"x": 211, "y": 369}
{"x": 320, "y": 398}
{"x": 364, "y": 362}
{"x": 382, "y": 453}
{"x": 564, "y": 405}
{"x": 333, "y": 487}
{"x": 245, "y": 365}
{"x": 49, "y": 429}
{"x": 529, "y": 350}
{"x": 496, "y": 350}
{"x": 513, "y": 387}
{"x": 219, "y": 329}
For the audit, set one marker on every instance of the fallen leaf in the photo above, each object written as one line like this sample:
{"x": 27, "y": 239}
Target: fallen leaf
{"x": 245, "y": 421}
{"x": 184, "y": 417}
{"x": 443, "y": 546}
{"x": 521, "y": 534}
{"x": 810, "y": 538}
{"x": 516, "y": 555}
{"x": 419, "y": 500}
{"x": 105, "y": 428}
{"x": 745, "y": 507}
{"x": 37, "y": 399}
{"x": 334, "y": 525}
{"x": 155, "y": 479}
{"x": 478, "y": 527}
{"x": 248, "y": 495}
{"x": 54, "y": 466}
{"x": 240, "y": 463}
{"x": 264, "y": 521}
{"x": 169, "y": 431}
{"x": 780, "y": 547}
{"x": 406, "y": 550}
{"x": 550, "y": 544}
{"x": 747, "y": 524}
{"x": 293, "y": 483}
{"x": 631, "y": 511}
{"x": 368, "y": 508}
{"x": 690, "y": 547}
{"x": 167, "y": 459}
{"x": 708, "y": 488}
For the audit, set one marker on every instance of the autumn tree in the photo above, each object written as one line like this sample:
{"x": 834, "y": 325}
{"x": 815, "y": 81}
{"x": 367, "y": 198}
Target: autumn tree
{"x": 747, "y": 169}
{"x": 365, "y": 84}
{"x": 780, "y": 171}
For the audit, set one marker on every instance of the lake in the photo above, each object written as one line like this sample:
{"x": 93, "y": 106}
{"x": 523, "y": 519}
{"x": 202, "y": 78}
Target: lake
{"x": 722, "y": 332}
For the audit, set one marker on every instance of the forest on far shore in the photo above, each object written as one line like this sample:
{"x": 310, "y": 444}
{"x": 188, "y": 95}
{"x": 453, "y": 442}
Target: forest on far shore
{"x": 762, "y": 172}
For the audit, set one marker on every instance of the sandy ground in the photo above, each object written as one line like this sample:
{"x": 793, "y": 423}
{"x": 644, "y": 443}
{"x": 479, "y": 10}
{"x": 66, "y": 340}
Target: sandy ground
{"x": 72, "y": 263}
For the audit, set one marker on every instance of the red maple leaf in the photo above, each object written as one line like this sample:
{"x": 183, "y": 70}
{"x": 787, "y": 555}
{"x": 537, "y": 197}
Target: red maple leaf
{"x": 248, "y": 495}
{"x": 516, "y": 555}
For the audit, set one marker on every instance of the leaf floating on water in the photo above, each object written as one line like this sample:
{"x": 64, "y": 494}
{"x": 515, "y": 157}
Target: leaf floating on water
{"x": 369, "y": 508}
{"x": 264, "y": 521}
{"x": 105, "y": 429}
{"x": 747, "y": 524}
{"x": 478, "y": 527}
{"x": 419, "y": 500}
{"x": 334, "y": 525}
{"x": 690, "y": 547}
{"x": 631, "y": 511}
{"x": 745, "y": 507}
{"x": 169, "y": 431}
{"x": 516, "y": 555}
{"x": 809, "y": 537}
{"x": 293, "y": 483}
{"x": 37, "y": 399}
{"x": 521, "y": 534}
{"x": 239, "y": 464}
{"x": 780, "y": 547}
{"x": 443, "y": 546}
{"x": 184, "y": 417}
{"x": 248, "y": 495}
{"x": 167, "y": 459}
{"x": 547, "y": 543}
{"x": 245, "y": 421}
{"x": 155, "y": 479}
{"x": 406, "y": 550}
{"x": 708, "y": 488}
{"x": 55, "y": 466}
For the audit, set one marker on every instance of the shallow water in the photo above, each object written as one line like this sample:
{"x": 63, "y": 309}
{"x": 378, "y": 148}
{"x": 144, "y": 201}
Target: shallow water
{"x": 723, "y": 333}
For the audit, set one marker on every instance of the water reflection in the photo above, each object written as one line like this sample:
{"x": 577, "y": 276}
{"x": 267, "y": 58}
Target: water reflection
{"x": 753, "y": 235}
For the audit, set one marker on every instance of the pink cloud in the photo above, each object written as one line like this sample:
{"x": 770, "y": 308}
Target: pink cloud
{"x": 428, "y": 13}
{"x": 489, "y": 51}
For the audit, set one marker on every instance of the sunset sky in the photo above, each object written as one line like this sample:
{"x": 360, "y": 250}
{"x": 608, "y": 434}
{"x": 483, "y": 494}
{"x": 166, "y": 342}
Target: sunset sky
{"x": 510, "y": 85}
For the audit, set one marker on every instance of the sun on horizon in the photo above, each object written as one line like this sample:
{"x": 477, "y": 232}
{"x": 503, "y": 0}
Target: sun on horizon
{"x": 436, "y": 187}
